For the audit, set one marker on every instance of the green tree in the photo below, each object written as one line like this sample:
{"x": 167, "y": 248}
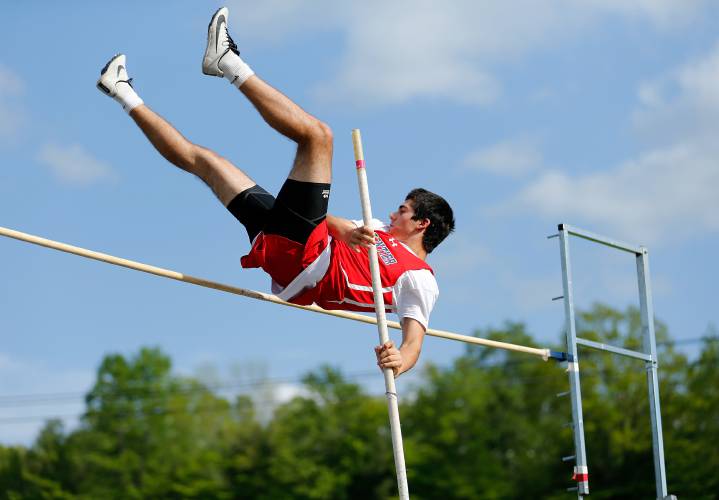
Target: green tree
{"x": 37, "y": 473}
{"x": 246, "y": 453}
{"x": 333, "y": 443}
{"x": 616, "y": 403}
{"x": 487, "y": 426}
{"x": 491, "y": 426}
{"x": 148, "y": 434}
{"x": 692, "y": 425}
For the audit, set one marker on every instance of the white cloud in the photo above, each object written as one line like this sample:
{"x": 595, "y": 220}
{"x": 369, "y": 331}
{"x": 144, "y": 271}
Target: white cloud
{"x": 513, "y": 158}
{"x": 74, "y": 165}
{"x": 681, "y": 104}
{"x": 12, "y": 115}
{"x": 275, "y": 20}
{"x": 400, "y": 50}
{"x": 285, "y": 392}
{"x": 667, "y": 192}
{"x": 397, "y": 51}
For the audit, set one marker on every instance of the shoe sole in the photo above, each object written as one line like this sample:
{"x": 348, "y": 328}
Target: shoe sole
{"x": 102, "y": 73}
{"x": 209, "y": 26}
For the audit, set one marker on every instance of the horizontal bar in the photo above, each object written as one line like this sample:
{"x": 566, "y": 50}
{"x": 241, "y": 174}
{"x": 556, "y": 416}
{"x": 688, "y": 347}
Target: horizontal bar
{"x": 627, "y": 247}
{"x": 615, "y": 350}
{"x": 166, "y": 273}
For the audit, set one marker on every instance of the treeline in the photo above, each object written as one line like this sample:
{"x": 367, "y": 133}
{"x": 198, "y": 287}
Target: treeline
{"x": 490, "y": 426}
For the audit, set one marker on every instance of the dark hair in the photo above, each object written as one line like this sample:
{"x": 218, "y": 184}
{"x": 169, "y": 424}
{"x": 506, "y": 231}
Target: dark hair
{"x": 428, "y": 205}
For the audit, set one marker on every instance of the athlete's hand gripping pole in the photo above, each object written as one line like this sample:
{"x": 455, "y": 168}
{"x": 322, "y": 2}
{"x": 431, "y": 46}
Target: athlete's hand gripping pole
{"x": 389, "y": 384}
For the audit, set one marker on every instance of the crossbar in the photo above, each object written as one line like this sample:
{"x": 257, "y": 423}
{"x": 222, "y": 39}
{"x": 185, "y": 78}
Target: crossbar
{"x": 597, "y": 238}
{"x": 252, "y": 294}
{"x": 616, "y": 350}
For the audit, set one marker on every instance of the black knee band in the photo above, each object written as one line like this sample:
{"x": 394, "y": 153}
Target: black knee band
{"x": 299, "y": 208}
{"x": 251, "y": 207}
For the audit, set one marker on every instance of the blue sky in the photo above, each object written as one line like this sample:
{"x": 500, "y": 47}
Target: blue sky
{"x": 523, "y": 114}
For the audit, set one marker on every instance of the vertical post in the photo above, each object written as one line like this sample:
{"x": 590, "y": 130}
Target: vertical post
{"x": 581, "y": 472}
{"x": 652, "y": 366}
{"x": 389, "y": 383}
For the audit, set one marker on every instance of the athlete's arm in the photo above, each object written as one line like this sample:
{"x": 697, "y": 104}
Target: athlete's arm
{"x": 346, "y": 230}
{"x": 404, "y": 358}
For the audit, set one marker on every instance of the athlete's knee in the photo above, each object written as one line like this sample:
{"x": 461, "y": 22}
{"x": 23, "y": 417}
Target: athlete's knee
{"x": 204, "y": 163}
{"x": 183, "y": 154}
{"x": 203, "y": 158}
{"x": 319, "y": 134}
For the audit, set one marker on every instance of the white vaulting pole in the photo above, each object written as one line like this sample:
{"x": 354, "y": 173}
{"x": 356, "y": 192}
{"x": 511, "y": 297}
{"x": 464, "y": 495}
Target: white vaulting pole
{"x": 389, "y": 384}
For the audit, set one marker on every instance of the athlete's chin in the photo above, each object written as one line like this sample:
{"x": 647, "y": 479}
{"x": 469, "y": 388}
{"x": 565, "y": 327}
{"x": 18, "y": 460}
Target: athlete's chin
{"x": 396, "y": 233}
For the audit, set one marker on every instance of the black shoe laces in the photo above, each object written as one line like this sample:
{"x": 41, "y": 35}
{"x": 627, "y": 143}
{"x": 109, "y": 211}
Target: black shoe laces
{"x": 231, "y": 43}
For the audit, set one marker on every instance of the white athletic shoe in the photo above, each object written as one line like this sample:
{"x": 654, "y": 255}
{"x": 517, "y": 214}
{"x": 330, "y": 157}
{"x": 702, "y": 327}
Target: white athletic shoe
{"x": 113, "y": 73}
{"x": 219, "y": 43}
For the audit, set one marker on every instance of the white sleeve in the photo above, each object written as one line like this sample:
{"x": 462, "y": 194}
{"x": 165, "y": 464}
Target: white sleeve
{"x": 375, "y": 224}
{"x": 415, "y": 294}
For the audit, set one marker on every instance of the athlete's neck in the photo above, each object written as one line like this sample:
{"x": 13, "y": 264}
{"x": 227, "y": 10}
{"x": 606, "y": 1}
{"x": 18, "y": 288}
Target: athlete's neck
{"x": 416, "y": 246}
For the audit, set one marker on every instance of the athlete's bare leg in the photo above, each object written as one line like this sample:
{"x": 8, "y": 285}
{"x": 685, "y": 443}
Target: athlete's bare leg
{"x": 225, "y": 179}
{"x": 313, "y": 161}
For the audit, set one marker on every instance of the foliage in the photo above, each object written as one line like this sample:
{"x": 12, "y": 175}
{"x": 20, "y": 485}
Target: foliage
{"x": 490, "y": 426}
{"x": 480, "y": 429}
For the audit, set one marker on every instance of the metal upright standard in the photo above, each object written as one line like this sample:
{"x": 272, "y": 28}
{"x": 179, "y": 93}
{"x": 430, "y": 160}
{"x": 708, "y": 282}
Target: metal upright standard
{"x": 649, "y": 356}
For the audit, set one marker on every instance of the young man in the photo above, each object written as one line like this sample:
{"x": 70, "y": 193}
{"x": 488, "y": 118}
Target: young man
{"x": 310, "y": 255}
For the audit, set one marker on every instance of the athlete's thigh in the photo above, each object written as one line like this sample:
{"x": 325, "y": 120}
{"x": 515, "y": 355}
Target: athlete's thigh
{"x": 299, "y": 208}
{"x": 252, "y": 208}
{"x": 313, "y": 162}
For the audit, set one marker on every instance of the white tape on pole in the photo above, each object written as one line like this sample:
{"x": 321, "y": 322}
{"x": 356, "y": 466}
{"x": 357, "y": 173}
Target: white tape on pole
{"x": 390, "y": 389}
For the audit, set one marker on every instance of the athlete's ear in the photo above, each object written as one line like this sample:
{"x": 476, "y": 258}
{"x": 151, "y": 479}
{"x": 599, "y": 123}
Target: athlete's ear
{"x": 423, "y": 224}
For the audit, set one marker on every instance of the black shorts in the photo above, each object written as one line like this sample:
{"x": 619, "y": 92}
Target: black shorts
{"x": 297, "y": 210}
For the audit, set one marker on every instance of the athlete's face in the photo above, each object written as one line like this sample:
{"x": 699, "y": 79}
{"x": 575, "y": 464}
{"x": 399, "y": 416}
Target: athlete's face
{"x": 402, "y": 226}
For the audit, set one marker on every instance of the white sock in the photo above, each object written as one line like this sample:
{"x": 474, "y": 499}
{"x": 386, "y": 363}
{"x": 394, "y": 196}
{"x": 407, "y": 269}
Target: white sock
{"x": 235, "y": 69}
{"x": 127, "y": 97}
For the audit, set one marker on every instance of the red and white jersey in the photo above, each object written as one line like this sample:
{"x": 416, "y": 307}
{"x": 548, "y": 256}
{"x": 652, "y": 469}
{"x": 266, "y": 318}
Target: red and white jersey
{"x": 408, "y": 283}
{"x": 335, "y": 276}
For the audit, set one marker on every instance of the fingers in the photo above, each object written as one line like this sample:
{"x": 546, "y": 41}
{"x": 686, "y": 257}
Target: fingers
{"x": 363, "y": 236}
{"x": 388, "y": 356}
{"x": 387, "y": 345}
{"x": 360, "y": 237}
{"x": 391, "y": 361}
